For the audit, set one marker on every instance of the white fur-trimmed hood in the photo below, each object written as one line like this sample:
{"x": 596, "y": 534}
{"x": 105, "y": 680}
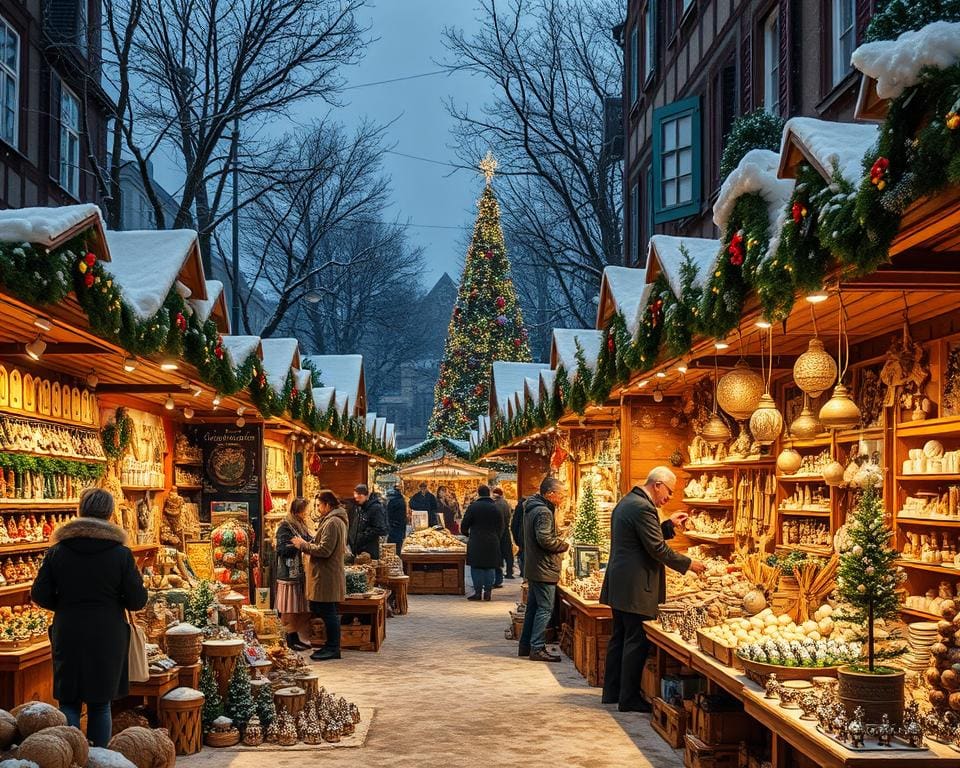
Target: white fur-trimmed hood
{"x": 89, "y": 528}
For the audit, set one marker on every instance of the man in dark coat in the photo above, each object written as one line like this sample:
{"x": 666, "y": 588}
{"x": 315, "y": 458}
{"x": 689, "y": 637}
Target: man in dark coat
{"x": 88, "y": 579}
{"x": 369, "y": 524}
{"x": 482, "y": 524}
{"x": 424, "y": 501}
{"x": 543, "y": 551}
{"x": 516, "y": 528}
{"x": 506, "y": 543}
{"x": 635, "y": 583}
{"x": 396, "y": 517}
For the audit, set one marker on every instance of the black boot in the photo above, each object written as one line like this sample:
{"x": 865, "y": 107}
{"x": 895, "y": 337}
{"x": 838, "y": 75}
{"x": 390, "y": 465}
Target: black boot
{"x": 476, "y": 596}
{"x": 487, "y": 593}
{"x": 294, "y": 644}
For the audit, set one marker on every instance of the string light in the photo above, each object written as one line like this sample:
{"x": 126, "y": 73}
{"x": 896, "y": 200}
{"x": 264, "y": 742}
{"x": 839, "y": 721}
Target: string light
{"x": 169, "y": 365}
{"x": 36, "y": 348}
{"x": 129, "y": 364}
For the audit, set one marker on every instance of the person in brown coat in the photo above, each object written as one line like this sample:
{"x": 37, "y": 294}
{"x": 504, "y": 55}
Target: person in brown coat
{"x": 326, "y": 583}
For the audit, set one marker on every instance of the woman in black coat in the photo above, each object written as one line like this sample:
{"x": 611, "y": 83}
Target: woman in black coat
{"x": 482, "y": 525}
{"x": 89, "y": 579}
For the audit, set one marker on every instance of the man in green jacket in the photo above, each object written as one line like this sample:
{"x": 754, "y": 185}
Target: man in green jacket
{"x": 635, "y": 582}
{"x": 543, "y": 551}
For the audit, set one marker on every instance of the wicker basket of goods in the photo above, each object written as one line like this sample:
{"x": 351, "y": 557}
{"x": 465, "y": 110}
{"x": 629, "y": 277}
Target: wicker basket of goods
{"x": 796, "y": 660}
{"x": 184, "y": 643}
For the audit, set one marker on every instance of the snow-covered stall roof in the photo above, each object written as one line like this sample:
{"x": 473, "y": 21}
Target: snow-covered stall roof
{"x": 391, "y": 432}
{"x": 370, "y": 422}
{"x": 484, "y": 426}
{"x": 215, "y": 306}
{"x": 621, "y": 290}
{"x": 474, "y": 439}
{"x": 52, "y": 226}
{"x": 345, "y": 373}
{"x": 563, "y": 349}
{"x": 239, "y": 348}
{"x": 342, "y": 402}
{"x": 756, "y": 172}
{"x": 380, "y": 428}
{"x": 145, "y": 264}
{"x": 546, "y": 382}
{"x": 507, "y": 380}
{"x": 303, "y": 379}
{"x": 322, "y": 397}
{"x": 531, "y": 390}
{"x": 664, "y": 255}
{"x": 279, "y": 357}
{"x": 827, "y": 146}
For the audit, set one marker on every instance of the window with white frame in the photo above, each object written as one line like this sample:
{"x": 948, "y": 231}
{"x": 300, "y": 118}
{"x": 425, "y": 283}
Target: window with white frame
{"x": 676, "y": 152}
{"x": 649, "y": 39}
{"x": 69, "y": 141}
{"x": 634, "y": 64}
{"x": 771, "y": 62}
{"x": 635, "y": 224}
{"x": 843, "y": 26}
{"x": 9, "y": 83}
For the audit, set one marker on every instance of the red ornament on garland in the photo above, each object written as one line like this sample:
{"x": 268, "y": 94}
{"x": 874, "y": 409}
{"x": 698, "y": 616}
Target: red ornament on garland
{"x": 501, "y": 302}
{"x": 878, "y": 173}
{"x": 611, "y": 345}
{"x": 90, "y": 259}
{"x": 218, "y": 350}
{"x": 478, "y": 390}
{"x": 655, "y": 310}
{"x": 88, "y": 279}
{"x": 181, "y": 322}
{"x": 488, "y": 254}
{"x": 293, "y": 393}
{"x": 736, "y": 248}
{"x": 447, "y": 402}
{"x": 798, "y": 211}
{"x": 517, "y": 342}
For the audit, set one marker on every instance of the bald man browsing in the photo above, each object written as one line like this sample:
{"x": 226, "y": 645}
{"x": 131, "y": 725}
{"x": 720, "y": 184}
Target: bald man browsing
{"x": 635, "y": 582}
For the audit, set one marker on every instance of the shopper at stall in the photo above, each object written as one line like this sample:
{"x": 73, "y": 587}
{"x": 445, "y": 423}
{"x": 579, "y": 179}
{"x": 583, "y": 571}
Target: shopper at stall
{"x": 447, "y": 509}
{"x": 424, "y": 501}
{"x": 516, "y": 528}
{"x": 543, "y": 550}
{"x": 326, "y": 582}
{"x": 506, "y": 544}
{"x": 483, "y": 527}
{"x": 635, "y": 582}
{"x": 88, "y": 579}
{"x": 291, "y": 599}
{"x": 396, "y": 517}
{"x": 369, "y": 524}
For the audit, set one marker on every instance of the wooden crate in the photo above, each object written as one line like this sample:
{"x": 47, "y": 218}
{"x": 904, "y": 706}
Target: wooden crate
{"x": 699, "y": 755}
{"x": 649, "y": 681}
{"x": 729, "y": 726}
{"x": 516, "y": 624}
{"x": 669, "y": 721}
{"x": 450, "y": 578}
{"x": 355, "y": 635}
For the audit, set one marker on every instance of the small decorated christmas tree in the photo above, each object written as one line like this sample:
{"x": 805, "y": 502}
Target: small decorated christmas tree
{"x": 212, "y": 704}
{"x": 196, "y": 610}
{"x": 266, "y": 709}
{"x": 868, "y": 578}
{"x": 240, "y": 706}
{"x": 586, "y": 528}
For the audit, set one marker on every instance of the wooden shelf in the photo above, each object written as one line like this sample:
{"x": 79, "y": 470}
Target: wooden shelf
{"x": 805, "y": 512}
{"x": 941, "y": 521}
{"x": 182, "y": 487}
{"x": 709, "y": 538}
{"x": 16, "y": 504}
{"x": 747, "y": 463}
{"x": 141, "y": 488}
{"x": 932, "y": 567}
{"x": 60, "y": 422}
{"x": 705, "y": 503}
{"x": 695, "y": 467}
{"x": 920, "y": 477}
{"x": 64, "y": 456}
{"x": 809, "y": 549}
{"x": 26, "y": 546}
{"x": 852, "y": 435}
{"x": 946, "y": 425}
{"x": 281, "y": 491}
{"x": 188, "y": 463}
{"x": 16, "y": 589}
{"x": 821, "y": 441}
{"x": 802, "y": 479}
{"x": 138, "y": 548}
{"x": 920, "y": 614}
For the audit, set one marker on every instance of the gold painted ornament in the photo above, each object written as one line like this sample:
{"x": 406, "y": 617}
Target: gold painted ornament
{"x": 840, "y": 412}
{"x": 788, "y": 462}
{"x": 806, "y": 424}
{"x": 814, "y": 371}
{"x": 766, "y": 422}
{"x": 715, "y": 430}
{"x": 739, "y": 391}
{"x": 833, "y": 473}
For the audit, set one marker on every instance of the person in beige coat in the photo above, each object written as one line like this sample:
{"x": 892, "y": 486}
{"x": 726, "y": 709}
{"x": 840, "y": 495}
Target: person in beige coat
{"x": 326, "y": 583}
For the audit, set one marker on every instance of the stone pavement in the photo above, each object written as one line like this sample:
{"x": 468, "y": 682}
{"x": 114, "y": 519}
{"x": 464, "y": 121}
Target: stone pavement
{"x": 449, "y": 690}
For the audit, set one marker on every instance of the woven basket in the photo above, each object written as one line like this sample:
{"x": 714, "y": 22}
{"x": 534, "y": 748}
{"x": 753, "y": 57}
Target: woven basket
{"x": 759, "y": 672}
{"x": 223, "y": 738}
{"x": 184, "y": 649}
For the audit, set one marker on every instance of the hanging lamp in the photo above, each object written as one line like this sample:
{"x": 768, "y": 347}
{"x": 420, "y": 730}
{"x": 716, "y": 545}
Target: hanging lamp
{"x": 840, "y": 412}
{"x": 766, "y": 421}
{"x": 814, "y": 371}
{"x": 716, "y": 429}
{"x": 806, "y": 424}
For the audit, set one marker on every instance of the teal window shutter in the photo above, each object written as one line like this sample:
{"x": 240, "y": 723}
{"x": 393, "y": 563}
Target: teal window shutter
{"x": 677, "y": 170}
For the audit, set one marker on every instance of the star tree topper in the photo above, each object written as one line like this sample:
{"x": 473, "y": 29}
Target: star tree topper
{"x": 488, "y": 166}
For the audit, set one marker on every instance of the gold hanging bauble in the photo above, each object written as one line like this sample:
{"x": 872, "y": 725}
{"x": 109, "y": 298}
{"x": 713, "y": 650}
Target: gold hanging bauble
{"x": 739, "y": 390}
{"x": 715, "y": 430}
{"x": 840, "y": 412}
{"x": 833, "y": 473}
{"x": 766, "y": 422}
{"x": 806, "y": 424}
{"x": 788, "y": 462}
{"x": 815, "y": 370}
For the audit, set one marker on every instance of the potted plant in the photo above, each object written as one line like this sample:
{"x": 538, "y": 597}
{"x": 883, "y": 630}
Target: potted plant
{"x": 867, "y": 582}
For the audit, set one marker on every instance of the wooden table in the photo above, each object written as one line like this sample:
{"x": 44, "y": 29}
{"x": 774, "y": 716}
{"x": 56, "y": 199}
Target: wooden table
{"x": 156, "y": 687}
{"x": 435, "y": 573}
{"x": 789, "y": 734}
{"x": 371, "y": 630}
{"x": 399, "y": 587}
{"x": 26, "y": 674}
{"x": 591, "y": 624}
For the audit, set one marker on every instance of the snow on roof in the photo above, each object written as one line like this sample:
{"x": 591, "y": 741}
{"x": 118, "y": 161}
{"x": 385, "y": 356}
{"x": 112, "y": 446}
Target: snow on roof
{"x": 531, "y": 389}
{"x": 756, "y": 172}
{"x": 625, "y": 286}
{"x": 460, "y": 445}
{"x": 204, "y": 307}
{"x": 380, "y": 430}
{"x": 343, "y": 372}
{"x": 474, "y": 439}
{"x": 391, "y": 432}
{"x": 508, "y": 380}
{"x": 370, "y": 422}
{"x": 239, "y": 348}
{"x": 830, "y": 145}
{"x": 563, "y": 349}
{"x": 322, "y": 397}
{"x": 546, "y": 381}
{"x": 896, "y": 64}
{"x": 145, "y": 265}
{"x": 44, "y": 226}
{"x": 302, "y": 379}
{"x": 279, "y": 356}
{"x": 342, "y": 401}
{"x": 484, "y": 426}
{"x": 665, "y": 250}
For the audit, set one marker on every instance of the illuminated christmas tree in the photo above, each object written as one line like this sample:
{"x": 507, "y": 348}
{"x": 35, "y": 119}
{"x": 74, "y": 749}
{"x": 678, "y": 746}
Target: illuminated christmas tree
{"x": 487, "y": 323}
{"x": 586, "y": 527}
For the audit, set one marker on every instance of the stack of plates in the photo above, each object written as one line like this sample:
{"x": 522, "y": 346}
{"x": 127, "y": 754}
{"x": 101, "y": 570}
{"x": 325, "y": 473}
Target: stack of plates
{"x": 920, "y": 636}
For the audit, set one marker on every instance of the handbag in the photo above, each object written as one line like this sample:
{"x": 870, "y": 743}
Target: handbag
{"x": 138, "y": 670}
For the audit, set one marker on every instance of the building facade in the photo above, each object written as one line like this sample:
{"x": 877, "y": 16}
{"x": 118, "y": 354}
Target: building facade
{"x": 692, "y": 67}
{"x": 53, "y": 108}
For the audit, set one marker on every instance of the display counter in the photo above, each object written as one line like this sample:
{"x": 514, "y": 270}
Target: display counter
{"x": 789, "y": 734}
{"x": 363, "y": 622}
{"x": 435, "y": 573}
{"x": 590, "y": 624}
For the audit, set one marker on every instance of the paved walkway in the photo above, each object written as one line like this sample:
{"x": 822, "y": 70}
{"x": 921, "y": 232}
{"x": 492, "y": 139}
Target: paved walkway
{"x": 449, "y": 690}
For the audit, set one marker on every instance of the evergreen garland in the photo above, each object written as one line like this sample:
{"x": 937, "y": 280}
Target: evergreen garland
{"x": 36, "y": 275}
{"x": 756, "y": 130}
{"x": 894, "y": 17}
{"x": 646, "y": 345}
{"x": 21, "y": 463}
{"x": 612, "y": 366}
{"x": 681, "y": 314}
{"x": 115, "y": 435}
{"x": 580, "y": 388}
{"x": 560, "y": 396}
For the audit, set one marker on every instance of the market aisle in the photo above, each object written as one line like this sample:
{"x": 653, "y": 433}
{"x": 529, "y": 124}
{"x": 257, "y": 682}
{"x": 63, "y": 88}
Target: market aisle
{"x": 449, "y": 688}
